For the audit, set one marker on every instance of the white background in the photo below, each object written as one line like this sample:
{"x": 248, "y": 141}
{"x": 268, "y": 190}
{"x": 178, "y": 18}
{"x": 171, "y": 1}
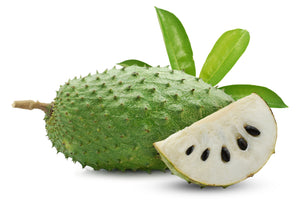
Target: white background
{"x": 44, "y": 43}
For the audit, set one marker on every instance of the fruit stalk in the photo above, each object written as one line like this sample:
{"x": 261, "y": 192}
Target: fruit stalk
{"x": 30, "y": 105}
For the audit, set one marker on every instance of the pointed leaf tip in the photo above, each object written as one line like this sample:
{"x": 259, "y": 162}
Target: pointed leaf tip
{"x": 224, "y": 54}
{"x": 238, "y": 91}
{"x": 132, "y": 62}
{"x": 176, "y": 42}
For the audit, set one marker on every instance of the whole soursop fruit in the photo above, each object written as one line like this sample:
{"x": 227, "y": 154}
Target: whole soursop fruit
{"x": 224, "y": 148}
{"x": 110, "y": 120}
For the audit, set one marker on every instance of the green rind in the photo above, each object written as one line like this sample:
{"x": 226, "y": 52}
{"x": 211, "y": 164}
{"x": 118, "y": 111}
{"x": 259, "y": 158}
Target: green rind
{"x": 180, "y": 174}
{"x": 177, "y": 172}
{"x": 110, "y": 120}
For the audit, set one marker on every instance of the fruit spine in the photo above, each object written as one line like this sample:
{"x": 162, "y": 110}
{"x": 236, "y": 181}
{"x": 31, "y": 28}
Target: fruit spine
{"x": 110, "y": 120}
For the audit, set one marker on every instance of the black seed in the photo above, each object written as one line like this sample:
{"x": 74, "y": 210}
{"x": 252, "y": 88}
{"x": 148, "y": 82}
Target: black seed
{"x": 242, "y": 143}
{"x": 189, "y": 150}
{"x": 252, "y": 130}
{"x": 225, "y": 154}
{"x": 205, "y": 154}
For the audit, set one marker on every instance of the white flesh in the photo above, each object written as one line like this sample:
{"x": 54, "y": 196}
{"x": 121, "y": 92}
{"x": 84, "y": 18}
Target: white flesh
{"x": 219, "y": 129}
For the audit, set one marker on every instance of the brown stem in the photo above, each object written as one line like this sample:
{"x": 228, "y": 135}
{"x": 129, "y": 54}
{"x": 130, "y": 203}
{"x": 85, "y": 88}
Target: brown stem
{"x": 28, "y": 104}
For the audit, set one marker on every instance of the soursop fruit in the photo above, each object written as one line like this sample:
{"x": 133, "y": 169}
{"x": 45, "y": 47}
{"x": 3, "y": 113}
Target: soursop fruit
{"x": 110, "y": 120}
{"x": 225, "y": 147}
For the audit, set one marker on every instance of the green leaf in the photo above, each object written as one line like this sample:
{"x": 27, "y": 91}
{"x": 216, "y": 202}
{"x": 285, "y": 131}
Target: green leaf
{"x": 177, "y": 42}
{"x": 225, "y": 53}
{"x": 238, "y": 91}
{"x": 132, "y": 62}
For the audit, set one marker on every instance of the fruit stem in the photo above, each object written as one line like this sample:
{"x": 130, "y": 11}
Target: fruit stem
{"x": 29, "y": 104}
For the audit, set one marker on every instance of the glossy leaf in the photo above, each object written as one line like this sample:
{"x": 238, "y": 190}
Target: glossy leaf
{"x": 132, "y": 62}
{"x": 177, "y": 42}
{"x": 225, "y": 53}
{"x": 238, "y": 91}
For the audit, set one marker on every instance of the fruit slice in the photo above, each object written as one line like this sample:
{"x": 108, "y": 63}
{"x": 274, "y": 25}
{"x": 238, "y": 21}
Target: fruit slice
{"x": 225, "y": 147}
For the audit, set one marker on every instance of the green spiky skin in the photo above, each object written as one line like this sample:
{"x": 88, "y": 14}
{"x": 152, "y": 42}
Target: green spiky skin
{"x": 110, "y": 120}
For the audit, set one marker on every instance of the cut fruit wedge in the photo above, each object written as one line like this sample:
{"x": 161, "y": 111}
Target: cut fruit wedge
{"x": 225, "y": 147}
